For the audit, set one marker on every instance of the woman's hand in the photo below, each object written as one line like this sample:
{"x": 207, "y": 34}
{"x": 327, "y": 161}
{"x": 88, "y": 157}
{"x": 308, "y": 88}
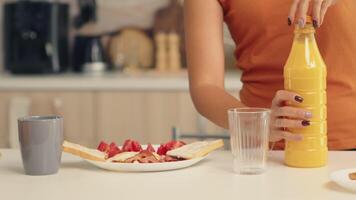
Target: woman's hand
{"x": 298, "y": 11}
{"x": 284, "y": 117}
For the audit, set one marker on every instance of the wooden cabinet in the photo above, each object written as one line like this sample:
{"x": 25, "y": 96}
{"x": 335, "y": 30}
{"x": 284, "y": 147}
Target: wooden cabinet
{"x": 91, "y": 116}
{"x": 76, "y": 108}
{"x": 78, "y": 111}
{"x": 4, "y": 137}
{"x": 119, "y": 115}
{"x": 147, "y": 116}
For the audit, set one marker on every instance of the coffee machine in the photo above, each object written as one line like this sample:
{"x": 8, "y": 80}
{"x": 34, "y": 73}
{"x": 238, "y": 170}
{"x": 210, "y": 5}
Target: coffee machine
{"x": 36, "y": 37}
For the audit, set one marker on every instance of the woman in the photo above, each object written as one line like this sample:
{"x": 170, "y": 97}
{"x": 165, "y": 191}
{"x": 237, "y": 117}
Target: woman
{"x": 260, "y": 30}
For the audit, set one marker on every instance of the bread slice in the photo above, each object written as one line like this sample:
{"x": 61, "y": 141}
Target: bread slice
{"x": 196, "y": 149}
{"x": 83, "y": 152}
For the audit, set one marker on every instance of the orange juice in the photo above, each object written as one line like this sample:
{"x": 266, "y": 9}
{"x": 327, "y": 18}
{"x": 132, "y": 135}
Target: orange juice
{"x": 305, "y": 74}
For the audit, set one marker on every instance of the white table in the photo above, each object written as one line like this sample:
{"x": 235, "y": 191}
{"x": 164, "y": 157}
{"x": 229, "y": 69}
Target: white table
{"x": 210, "y": 179}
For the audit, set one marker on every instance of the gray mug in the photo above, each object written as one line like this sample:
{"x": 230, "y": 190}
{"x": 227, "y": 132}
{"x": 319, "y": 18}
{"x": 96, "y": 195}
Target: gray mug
{"x": 41, "y": 139}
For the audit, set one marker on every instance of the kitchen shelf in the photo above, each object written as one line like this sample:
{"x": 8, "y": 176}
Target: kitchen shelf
{"x": 155, "y": 81}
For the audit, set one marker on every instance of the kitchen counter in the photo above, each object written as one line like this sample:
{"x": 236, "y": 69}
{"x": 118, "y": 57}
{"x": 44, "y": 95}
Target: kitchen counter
{"x": 109, "y": 81}
{"x": 210, "y": 179}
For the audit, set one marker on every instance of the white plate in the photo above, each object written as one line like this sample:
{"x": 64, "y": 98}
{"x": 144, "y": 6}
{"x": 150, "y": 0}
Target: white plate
{"x": 341, "y": 178}
{"x": 146, "y": 167}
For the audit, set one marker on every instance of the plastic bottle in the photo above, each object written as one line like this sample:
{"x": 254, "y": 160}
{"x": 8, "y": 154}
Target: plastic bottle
{"x": 305, "y": 74}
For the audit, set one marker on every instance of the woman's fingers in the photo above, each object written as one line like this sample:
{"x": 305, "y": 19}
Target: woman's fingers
{"x": 292, "y": 11}
{"x": 287, "y": 116}
{"x": 280, "y": 134}
{"x": 324, "y": 7}
{"x": 302, "y": 12}
{"x": 290, "y": 123}
{"x": 283, "y": 96}
{"x": 292, "y": 112}
{"x": 299, "y": 10}
{"x": 316, "y": 12}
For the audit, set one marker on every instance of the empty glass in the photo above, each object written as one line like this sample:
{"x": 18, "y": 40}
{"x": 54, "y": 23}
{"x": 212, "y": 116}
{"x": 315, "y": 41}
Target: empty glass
{"x": 249, "y": 130}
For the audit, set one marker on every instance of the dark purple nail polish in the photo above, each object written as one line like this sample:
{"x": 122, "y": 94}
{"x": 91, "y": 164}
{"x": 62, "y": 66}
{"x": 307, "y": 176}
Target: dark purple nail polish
{"x": 289, "y": 21}
{"x": 315, "y": 23}
{"x": 298, "y": 99}
{"x": 305, "y": 123}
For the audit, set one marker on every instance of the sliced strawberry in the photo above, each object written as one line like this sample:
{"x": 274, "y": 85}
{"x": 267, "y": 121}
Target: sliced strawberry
{"x": 131, "y": 145}
{"x": 136, "y": 146}
{"x": 112, "y": 145}
{"x": 150, "y": 148}
{"x": 174, "y": 144}
{"x": 113, "y": 150}
{"x": 103, "y": 147}
{"x": 126, "y": 147}
{"x": 162, "y": 150}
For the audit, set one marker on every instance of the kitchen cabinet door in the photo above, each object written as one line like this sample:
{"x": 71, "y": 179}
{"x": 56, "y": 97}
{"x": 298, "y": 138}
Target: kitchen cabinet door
{"x": 144, "y": 116}
{"x": 147, "y": 116}
{"x": 191, "y": 121}
{"x": 76, "y": 107}
{"x": 8, "y": 121}
{"x": 4, "y": 137}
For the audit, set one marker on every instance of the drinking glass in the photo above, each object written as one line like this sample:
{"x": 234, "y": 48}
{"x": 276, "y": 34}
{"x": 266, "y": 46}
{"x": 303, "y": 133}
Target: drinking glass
{"x": 249, "y": 130}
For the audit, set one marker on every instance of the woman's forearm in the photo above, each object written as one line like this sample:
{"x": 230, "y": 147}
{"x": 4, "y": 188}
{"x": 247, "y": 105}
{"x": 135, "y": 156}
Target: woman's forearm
{"x": 205, "y": 53}
{"x": 213, "y": 102}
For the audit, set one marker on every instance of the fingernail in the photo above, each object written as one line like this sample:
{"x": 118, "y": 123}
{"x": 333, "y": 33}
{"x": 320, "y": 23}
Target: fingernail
{"x": 298, "y": 137}
{"x": 308, "y": 115}
{"x": 315, "y": 23}
{"x": 305, "y": 123}
{"x": 298, "y": 99}
{"x": 289, "y": 21}
{"x": 301, "y": 23}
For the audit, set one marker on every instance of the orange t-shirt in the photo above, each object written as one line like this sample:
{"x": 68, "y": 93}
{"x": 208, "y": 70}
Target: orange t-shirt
{"x": 263, "y": 41}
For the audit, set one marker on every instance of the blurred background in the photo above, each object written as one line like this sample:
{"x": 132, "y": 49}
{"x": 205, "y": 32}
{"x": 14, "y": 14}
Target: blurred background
{"x": 114, "y": 69}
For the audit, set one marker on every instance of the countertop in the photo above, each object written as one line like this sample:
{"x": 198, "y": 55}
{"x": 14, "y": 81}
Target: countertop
{"x": 177, "y": 81}
{"x": 210, "y": 179}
